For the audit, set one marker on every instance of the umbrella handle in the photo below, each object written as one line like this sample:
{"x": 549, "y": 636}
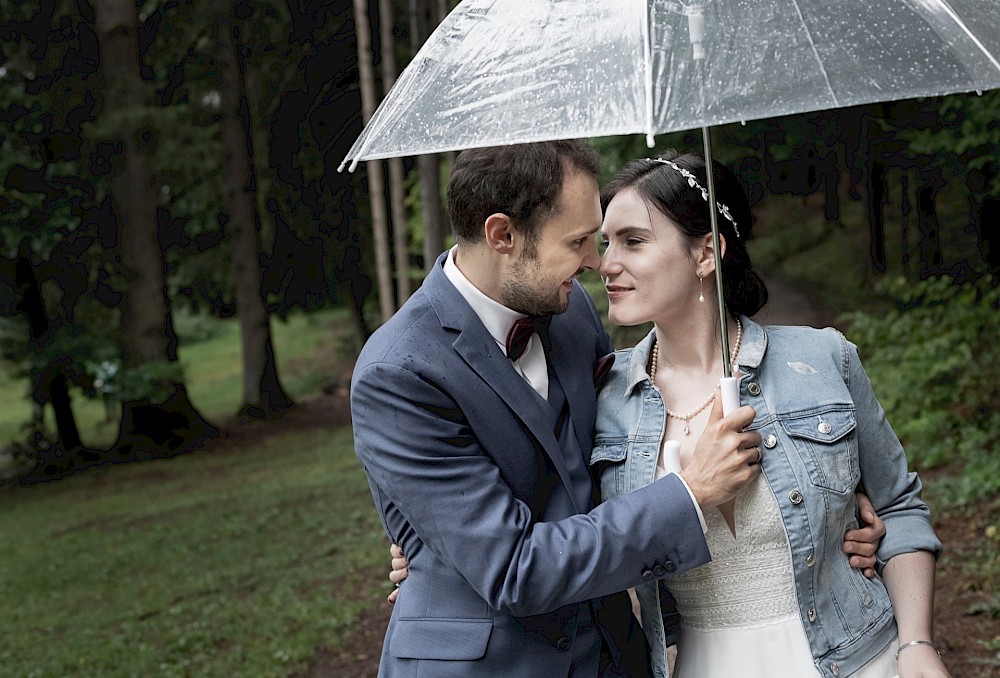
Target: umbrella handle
{"x": 730, "y": 394}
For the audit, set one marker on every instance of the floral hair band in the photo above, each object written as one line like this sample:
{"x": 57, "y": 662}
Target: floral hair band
{"x": 693, "y": 183}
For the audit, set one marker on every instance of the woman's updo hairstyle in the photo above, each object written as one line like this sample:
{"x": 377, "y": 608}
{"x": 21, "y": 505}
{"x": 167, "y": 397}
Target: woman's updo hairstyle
{"x": 664, "y": 188}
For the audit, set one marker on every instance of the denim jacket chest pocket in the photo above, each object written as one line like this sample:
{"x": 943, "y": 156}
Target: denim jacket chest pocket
{"x": 827, "y": 444}
{"x": 623, "y": 466}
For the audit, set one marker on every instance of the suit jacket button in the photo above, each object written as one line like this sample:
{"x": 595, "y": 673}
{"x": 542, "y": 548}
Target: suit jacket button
{"x": 648, "y": 575}
{"x": 562, "y": 644}
{"x": 669, "y": 566}
{"x": 658, "y": 570}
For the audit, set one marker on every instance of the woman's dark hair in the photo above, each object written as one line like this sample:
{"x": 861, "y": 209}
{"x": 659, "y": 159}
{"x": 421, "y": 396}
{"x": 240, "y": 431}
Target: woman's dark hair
{"x": 522, "y": 181}
{"x": 667, "y": 190}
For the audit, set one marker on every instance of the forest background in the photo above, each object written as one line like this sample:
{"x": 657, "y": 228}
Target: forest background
{"x": 184, "y": 273}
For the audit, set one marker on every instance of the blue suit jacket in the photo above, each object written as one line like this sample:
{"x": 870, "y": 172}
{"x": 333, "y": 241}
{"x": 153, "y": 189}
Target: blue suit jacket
{"x": 462, "y": 464}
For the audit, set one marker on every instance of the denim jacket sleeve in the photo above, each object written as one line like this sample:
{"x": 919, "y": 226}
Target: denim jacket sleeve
{"x": 894, "y": 492}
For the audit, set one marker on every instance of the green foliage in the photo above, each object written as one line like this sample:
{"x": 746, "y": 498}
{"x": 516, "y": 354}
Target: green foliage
{"x": 935, "y": 364}
{"x": 154, "y": 380}
{"x": 239, "y": 562}
{"x": 307, "y": 347}
{"x": 192, "y": 328}
{"x": 40, "y": 159}
{"x": 966, "y": 125}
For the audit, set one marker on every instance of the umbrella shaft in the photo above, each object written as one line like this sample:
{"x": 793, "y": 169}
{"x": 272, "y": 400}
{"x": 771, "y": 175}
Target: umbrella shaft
{"x": 713, "y": 214}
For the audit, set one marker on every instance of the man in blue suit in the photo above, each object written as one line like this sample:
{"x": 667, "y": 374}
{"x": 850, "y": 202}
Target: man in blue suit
{"x": 474, "y": 429}
{"x": 473, "y": 411}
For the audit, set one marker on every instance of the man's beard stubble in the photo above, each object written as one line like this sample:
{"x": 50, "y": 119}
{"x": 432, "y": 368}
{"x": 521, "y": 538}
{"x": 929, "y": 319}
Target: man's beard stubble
{"x": 521, "y": 296}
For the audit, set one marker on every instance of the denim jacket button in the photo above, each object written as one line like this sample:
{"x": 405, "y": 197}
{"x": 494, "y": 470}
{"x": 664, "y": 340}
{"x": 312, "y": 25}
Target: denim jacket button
{"x": 824, "y": 428}
{"x": 810, "y": 560}
{"x": 835, "y": 669}
{"x": 795, "y": 497}
{"x": 753, "y": 388}
{"x": 812, "y": 614}
{"x": 770, "y": 441}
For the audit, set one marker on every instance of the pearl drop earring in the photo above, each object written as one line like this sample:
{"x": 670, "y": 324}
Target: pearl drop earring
{"x": 701, "y": 294}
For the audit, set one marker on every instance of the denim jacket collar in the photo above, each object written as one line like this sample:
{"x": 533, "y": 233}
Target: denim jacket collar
{"x": 638, "y": 359}
{"x": 754, "y": 344}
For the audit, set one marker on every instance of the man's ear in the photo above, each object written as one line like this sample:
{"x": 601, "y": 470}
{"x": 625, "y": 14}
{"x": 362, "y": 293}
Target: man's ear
{"x": 704, "y": 254}
{"x": 500, "y": 233}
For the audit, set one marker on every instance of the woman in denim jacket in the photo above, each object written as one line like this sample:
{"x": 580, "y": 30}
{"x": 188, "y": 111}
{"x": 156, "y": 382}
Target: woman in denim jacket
{"x": 779, "y": 597}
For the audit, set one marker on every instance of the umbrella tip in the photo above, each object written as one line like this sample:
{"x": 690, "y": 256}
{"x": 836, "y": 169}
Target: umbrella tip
{"x": 650, "y": 141}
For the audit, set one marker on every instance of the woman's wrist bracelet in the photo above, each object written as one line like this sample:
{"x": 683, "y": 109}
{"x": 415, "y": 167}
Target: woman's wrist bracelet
{"x": 916, "y": 642}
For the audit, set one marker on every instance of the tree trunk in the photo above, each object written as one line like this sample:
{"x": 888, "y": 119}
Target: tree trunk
{"x": 262, "y": 391}
{"x": 989, "y": 234}
{"x": 131, "y": 184}
{"x": 428, "y": 166}
{"x": 351, "y": 274}
{"x": 376, "y": 182}
{"x": 904, "y": 224}
{"x": 441, "y": 11}
{"x": 985, "y": 215}
{"x": 929, "y": 245}
{"x": 144, "y": 309}
{"x": 50, "y": 384}
{"x": 397, "y": 186}
{"x": 875, "y": 197}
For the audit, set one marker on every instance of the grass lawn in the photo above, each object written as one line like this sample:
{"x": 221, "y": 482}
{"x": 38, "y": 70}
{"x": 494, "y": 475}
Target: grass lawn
{"x": 309, "y": 348}
{"x": 238, "y": 561}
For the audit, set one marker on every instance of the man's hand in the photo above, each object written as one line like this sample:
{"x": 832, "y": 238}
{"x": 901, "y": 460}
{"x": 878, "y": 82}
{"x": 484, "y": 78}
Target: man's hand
{"x": 400, "y": 570}
{"x": 862, "y": 543}
{"x": 726, "y": 456}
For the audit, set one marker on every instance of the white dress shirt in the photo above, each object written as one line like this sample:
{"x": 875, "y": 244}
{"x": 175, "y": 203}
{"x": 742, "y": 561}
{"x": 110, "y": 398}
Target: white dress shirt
{"x": 498, "y": 320}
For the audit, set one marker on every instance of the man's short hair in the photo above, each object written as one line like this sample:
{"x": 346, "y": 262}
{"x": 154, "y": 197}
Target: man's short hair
{"x": 522, "y": 181}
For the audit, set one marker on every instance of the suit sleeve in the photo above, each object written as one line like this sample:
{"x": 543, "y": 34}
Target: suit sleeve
{"x": 894, "y": 492}
{"x": 422, "y": 457}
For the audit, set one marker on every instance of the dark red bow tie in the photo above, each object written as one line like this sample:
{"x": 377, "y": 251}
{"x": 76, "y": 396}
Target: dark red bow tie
{"x": 520, "y": 334}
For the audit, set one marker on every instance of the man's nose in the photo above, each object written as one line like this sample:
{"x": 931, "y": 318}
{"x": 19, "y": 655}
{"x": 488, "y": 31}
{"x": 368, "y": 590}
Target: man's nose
{"x": 591, "y": 260}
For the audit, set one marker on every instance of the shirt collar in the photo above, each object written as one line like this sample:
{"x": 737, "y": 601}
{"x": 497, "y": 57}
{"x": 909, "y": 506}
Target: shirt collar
{"x": 496, "y": 317}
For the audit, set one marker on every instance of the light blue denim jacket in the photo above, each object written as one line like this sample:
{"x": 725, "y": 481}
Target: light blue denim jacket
{"x": 824, "y": 436}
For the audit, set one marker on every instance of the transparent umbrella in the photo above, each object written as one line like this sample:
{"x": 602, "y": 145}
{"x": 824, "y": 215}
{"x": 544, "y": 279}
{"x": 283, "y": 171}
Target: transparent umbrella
{"x": 516, "y": 71}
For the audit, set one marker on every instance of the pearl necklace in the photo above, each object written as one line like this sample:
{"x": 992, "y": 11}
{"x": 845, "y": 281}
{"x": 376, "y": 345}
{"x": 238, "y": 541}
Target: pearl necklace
{"x": 686, "y": 418}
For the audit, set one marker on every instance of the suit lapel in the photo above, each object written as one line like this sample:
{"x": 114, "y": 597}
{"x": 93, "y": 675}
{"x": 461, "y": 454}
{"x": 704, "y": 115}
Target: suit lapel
{"x": 480, "y": 352}
{"x": 575, "y": 377}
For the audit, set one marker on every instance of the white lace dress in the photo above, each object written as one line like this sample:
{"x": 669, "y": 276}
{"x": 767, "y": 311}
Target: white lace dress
{"x": 739, "y": 615}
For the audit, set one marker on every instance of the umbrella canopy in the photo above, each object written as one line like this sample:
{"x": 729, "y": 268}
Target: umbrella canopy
{"x": 517, "y": 71}
{"x": 501, "y": 72}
